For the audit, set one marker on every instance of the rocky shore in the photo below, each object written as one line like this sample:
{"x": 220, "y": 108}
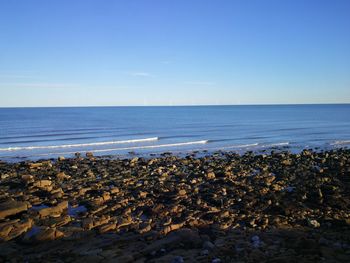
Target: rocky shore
{"x": 224, "y": 207}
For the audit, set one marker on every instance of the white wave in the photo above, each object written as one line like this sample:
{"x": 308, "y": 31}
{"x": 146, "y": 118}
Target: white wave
{"x": 253, "y": 145}
{"x": 240, "y": 146}
{"x": 78, "y": 145}
{"x": 275, "y": 144}
{"x": 132, "y": 148}
{"x": 341, "y": 142}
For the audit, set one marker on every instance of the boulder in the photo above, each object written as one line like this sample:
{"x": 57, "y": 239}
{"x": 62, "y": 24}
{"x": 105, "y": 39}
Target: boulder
{"x": 12, "y": 229}
{"x": 12, "y": 207}
{"x": 62, "y": 176}
{"x": 54, "y": 211}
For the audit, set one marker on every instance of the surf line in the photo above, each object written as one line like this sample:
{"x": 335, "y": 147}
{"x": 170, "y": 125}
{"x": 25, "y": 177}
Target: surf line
{"x": 78, "y": 145}
{"x": 132, "y": 148}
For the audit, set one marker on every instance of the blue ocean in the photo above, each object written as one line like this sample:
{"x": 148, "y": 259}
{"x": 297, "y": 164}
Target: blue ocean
{"x": 37, "y": 133}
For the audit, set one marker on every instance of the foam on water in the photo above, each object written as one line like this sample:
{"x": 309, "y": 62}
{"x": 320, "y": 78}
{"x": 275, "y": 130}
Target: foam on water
{"x": 78, "y": 144}
{"x": 340, "y": 142}
{"x": 132, "y": 148}
{"x": 275, "y": 144}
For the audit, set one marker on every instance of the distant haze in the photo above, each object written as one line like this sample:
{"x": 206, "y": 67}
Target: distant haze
{"x": 165, "y": 52}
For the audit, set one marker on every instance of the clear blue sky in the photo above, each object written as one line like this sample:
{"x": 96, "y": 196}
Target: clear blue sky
{"x": 174, "y": 52}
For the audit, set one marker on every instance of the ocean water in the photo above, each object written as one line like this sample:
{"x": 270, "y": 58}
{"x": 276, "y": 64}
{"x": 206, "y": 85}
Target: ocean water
{"x": 35, "y": 133}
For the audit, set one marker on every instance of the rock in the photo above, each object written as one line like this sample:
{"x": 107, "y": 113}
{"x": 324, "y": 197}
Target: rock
{"x": 62, "y": 176}
{"x": 182, "y": 192}
{"x": 313, "y": 223}
{"x": 107, "y": 227}
{"x": 145, "y": 228}
{"x": 12, "y": 229}
{"x": 210, "y": 176}
{"x": 114, "y": 190}
{"x": 61, "y": 158}
{"x": 89, "y": 154}
{"x": 142, "y": 194}
{"x": 134, "y": 161}
{"x": 90, "y": 223}
{"x": 39, "y": 165}
{"x": 44, "y": 185}
{"x": 12, "y": 207}
{"x": 47, "y": 234}
{"x": 171, "y": 227}
{"x": 54, "y": 211}
{"x": 4, "y": 176}
{"x": 27, "y": 178}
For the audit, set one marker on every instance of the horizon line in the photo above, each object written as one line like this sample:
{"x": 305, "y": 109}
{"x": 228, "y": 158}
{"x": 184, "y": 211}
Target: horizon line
{"x": 180, "y": 105}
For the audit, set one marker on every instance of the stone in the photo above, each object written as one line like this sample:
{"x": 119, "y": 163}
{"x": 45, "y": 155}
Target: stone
{"x": 12, "y": 229}
{"x": 89, "y": 154}
{"x": 62, "y": 176}
{"x": 4, "y": 176}
{"x": 44, "y": 185}
{"x": 313, "y": 223}
{"x": 27, "y": 178}
{"x": 12, "y": 207}
{"x": 54, "y": 211}
{"x": 61, "y": 158}
{"x": 210, "y": 175}
{"x": 107, "y": 227}
{"x": 182, "y": 192}
{"x": 47, "y": 234}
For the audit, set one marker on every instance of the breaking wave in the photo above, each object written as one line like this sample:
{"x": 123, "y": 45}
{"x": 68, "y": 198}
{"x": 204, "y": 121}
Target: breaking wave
{"x": 78, "y": 145}
{"x": 275, "y": 144}
{"x": 341, "y": 142}
{"x": 135, "y": 147}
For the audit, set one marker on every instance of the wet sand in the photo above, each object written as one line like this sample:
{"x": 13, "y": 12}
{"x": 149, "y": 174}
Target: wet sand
{"x": 224, "y": 207}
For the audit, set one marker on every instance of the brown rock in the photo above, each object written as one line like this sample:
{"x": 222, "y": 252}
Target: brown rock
{"x": 142, "y": 194}
{"x": 27, "y": 178}
{"x": 54, "y": 211}
{"x": 90, "y": 223}
{"x": 12, "y": 207}
{"x": 44, "y": 185}
{"x": 107, "y": 227}
{"x": 89, "y": 155}
{"x": 62, "y": 176}
{"x": 12, "y": 229}
{"x": 47, "y": 234}
{"x": 182, "y": 192}
{"x": 210, "y": 176}
{"x": 61, "y": 158}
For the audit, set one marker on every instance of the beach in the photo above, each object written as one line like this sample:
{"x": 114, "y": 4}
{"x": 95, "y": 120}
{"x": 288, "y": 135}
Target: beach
{"x": 220, "y": 207}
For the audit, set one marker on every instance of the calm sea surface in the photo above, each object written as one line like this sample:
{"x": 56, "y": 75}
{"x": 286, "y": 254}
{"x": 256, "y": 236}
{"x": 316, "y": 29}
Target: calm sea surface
{"x": 50, "y": 132}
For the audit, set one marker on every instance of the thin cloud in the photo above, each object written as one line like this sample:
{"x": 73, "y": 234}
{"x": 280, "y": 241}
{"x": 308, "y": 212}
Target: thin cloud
{"x": 140, "y": 74}
{"x": 201, "y": 83}
{"x": 166, "y": 62}
{"x": 40, "y": 85}
{"x": 16, "y": 77}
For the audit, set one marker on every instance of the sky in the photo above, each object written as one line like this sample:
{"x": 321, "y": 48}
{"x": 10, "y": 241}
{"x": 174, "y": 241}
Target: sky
{"x": 173, "y": 52}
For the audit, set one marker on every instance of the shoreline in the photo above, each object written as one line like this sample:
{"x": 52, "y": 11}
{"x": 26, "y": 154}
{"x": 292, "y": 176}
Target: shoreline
{"x": 270, "y": 207}
{"x": 197, "y": 153}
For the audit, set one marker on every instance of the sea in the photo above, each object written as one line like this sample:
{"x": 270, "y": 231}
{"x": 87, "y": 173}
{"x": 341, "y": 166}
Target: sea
{"x": 43, "y": 133}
